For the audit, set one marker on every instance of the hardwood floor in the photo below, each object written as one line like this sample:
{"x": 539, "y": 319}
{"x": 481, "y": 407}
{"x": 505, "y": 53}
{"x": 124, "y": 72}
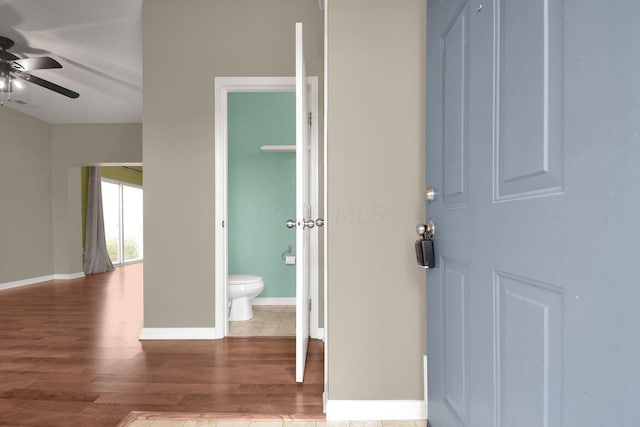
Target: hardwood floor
{"x": 70, "y": 356}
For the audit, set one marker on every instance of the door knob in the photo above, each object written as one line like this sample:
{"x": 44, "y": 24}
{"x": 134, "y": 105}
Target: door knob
{"x": 290, "y": 223}
{"x": 309, "y": 223}
{"x": 431, "y": 229}
{"x": 319, "y": 222}
{"x": 426, "y": 230}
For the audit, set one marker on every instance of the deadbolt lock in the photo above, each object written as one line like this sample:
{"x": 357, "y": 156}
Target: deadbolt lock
{"x": 430, "y": 194}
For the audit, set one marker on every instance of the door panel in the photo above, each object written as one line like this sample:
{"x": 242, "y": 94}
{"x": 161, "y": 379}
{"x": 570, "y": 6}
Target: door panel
{"x": 303, "y": 208}
{"x": 532, "y": 146}
{"x": 451, "y": 7}
{"x": 455, "y": 73}
{"x": 448, "y": 171}
{"x": 456, "y": 331}
{"x": 529, "y": 351}
{"x": 528, "y": 67}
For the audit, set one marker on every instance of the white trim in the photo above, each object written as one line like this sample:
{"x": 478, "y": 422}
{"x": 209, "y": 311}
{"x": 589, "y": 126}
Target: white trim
{"x": 36, "y": 280}
{"x": 68, "y": 276}
{"x": 178, "y": 334}
{"x": 224, "y": 85}
{"x": 25, "y": 282}
{"x": 274, "y": 301}
{"x": 326, "y": 205}
{"x": 324, "y": 402}
{"x": 221, "y": 312}
{"x": 317, "y": 334}
{"x": 426, "y": 388}
{"x": 314, "y": 240}
{"x": 376, "y": 410}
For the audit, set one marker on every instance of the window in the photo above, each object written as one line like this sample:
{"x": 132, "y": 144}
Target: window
{"x": 122, "y": 207}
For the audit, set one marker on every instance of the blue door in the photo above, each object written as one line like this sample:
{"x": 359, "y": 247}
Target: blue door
{"x": 533, "y": 149}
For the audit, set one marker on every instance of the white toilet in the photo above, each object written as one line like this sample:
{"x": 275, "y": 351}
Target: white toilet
{"x": 241, "y": 290}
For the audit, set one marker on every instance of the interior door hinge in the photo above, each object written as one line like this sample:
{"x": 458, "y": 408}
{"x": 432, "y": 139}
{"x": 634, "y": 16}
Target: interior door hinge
{"x": 310, "y": 119}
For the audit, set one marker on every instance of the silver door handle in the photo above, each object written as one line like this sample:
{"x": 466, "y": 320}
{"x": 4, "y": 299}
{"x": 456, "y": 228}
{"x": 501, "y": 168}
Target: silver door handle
{"x": 426, "y": 230}
{"x": 308, "y": 223}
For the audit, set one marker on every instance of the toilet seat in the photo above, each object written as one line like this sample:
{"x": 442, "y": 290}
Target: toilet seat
{"x": 242, "y": 279}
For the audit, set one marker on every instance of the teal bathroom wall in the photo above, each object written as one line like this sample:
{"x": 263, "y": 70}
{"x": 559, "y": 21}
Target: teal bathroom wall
{"x": 261, "y": 188}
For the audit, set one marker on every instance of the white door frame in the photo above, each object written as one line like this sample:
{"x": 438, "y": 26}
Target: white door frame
{"x": 223, "y": 86}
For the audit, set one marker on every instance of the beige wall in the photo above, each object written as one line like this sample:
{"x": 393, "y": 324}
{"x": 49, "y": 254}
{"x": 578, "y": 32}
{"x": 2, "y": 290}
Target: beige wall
{"x": 376, "y": 293}
{"x": 74, "y": 146}
{"x": 25, "y": 192}
{"x": 40, "y": 186}
{"x": 217, "y": 38}
{"x": 376, "y": 88}
{"x": 376, "y": 98}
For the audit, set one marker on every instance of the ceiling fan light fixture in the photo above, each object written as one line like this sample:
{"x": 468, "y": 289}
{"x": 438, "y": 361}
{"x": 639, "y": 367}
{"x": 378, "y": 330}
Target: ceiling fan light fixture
{"x": 14, "y": 69}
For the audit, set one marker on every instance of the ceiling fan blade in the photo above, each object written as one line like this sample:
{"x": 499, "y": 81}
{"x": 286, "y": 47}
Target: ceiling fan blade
{"x": 29, "y": 64}
{"x": 7, "y": 56}
{"x": 48, "y": 85}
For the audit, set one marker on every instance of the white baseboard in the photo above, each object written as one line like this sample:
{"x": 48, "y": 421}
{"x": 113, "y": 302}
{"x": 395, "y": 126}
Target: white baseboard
{"x": 274, "y": 301}
{"x": 25, "y": 282}
{"x": 68, "y": 276}
{"x": 36, "y": 280}
{"x": 317, "y": 333}
{"x": 376, "y": 410}
{"x": 426, "y": 388}
{"x": 178, "y": 334}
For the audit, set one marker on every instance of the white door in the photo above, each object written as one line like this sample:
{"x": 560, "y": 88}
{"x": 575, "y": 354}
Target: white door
{"x": 303, "y": 209}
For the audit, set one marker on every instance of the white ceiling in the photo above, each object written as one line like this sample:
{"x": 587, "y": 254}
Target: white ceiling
{"x": 98, "y": 43}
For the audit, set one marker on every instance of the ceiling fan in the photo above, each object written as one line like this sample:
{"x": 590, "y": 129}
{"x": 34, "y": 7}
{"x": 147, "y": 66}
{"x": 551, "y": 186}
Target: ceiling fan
{"x": 13, "y": 70}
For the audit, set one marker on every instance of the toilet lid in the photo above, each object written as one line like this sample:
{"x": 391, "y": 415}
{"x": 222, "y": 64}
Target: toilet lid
{"x": 242, "y": 279}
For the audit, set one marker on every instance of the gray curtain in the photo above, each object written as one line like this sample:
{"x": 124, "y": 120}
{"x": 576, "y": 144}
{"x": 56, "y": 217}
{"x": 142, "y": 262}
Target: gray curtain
{"x": 96, "y": 257}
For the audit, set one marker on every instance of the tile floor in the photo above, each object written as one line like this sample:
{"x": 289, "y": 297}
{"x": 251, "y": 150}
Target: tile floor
{"x": 268, "y": 321}
{"x": 275, "y": 423}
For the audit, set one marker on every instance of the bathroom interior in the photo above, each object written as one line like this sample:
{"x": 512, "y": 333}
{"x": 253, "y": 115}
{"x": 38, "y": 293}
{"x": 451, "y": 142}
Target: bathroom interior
{"x": 261, "y": 197}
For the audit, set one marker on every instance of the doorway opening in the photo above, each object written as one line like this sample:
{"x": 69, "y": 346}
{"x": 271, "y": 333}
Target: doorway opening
{"x": 261, "y": 184}
{"x": 249, "y": 229}
{"x": 122, "y": 200}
